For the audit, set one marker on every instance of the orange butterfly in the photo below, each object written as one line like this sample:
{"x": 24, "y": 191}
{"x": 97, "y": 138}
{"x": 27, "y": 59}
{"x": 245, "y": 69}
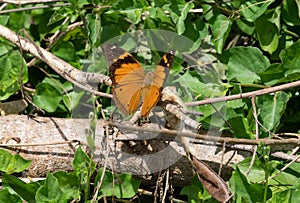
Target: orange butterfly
{"x": 131, "y": 87}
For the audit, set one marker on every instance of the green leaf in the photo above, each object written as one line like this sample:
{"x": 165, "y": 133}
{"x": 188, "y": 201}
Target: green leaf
{"x": 288, "y": 70}
{"x": 291, "y": 12}
{"x": 26, "y": 191}
{"x": 94, "y": 28}
{"x": 271, "y": 108}
{"x": 291, "y": 58}
{"x": 125, "y": 4}
{"x": 196, "y": 31}
{"x": 60, "y": 14}
{"x": 47, "y": 97}
{"x": 285, "y": 178}
{"x": 240, "y": 127}
{"x": 4, "y": 19}
{"x": 253, "y": 9}
{"x": 244, "y": 191}
{"x": 158, "y": 19}
{"x": 235, "y": 104}
{"x": 72, "y": 99}
{"x": 267, "y": 29}
{"x": 246, "y": 26}
{"x": 84, "y": 167}
{"x": 66, "y": 51}
{"x": 50, "y": 191}
{"x": 10, "y": 68}
{"x": 134, "y": 15}
{"x": 180, "y": 24}
{"x": 69, "y": 183}
{"x": 12, "y": 163}
{"x": 195, "y": 192}
{"x": 7, "y": 197}
{"x": 121, "y": 186}
{"x": 192, "y": 81}
{"x": 272, "y": 74}
{"x": 290, "y": 194}
{"x": 257, "y": 173}
{"x": 220, "y": 31}
{"x": 3, "y": 50}
{"x": 244, "y": 63}
{"x": 19, "y": 20}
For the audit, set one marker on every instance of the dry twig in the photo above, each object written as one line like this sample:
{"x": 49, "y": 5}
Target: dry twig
{"x": 245, "y": 95}
{"x": 67, "y": 71}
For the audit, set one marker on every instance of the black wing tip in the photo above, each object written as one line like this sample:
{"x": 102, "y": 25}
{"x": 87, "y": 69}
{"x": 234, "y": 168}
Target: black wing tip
{"x": 172, "y": 52}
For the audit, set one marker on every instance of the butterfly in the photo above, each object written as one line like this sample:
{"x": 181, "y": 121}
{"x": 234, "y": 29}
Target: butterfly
{"x": 131, "y": 86}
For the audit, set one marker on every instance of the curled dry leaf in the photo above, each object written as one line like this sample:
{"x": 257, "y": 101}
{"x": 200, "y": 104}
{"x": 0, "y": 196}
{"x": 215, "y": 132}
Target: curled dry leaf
{"x": 213, "y": 183}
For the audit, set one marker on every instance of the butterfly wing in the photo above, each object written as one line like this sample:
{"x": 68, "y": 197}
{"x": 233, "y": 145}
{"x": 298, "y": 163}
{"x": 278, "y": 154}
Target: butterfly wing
{"x": 160, "y": 76}
{"x": 127, "y": 77}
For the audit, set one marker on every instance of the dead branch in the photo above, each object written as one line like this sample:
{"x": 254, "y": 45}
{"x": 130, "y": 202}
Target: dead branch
{"x": 170, "y": 134}
{"x": 64, "y": 69}
{"x": 34, "y": 7}
{"x": 245, "y": 95}
{"x": 20, "y": 2}
{"x": 50, "y": 143}
{"x": 80, "y": 78}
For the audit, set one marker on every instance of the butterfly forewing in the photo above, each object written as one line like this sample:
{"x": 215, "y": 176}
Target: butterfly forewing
{"x": 127, "y": 77}
{"x": 162, "y": 70}
{"x": 159, "y": 78}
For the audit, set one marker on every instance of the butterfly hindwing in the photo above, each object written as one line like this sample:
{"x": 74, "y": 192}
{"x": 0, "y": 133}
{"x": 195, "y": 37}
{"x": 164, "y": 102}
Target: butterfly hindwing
{"x": 150, "y": 100}
{"x": 160, "y": 76}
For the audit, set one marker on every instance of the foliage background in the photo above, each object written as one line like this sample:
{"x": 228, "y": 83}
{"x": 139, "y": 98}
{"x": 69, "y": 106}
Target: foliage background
{"x": 250, "y": 45}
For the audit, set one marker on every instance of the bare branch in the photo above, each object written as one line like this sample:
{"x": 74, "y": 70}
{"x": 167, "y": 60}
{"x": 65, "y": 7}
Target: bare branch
{"x": 145, "y": 133}
{"x": 245, "y": 95}
{"x": 20, "y": 2}
{"x": 33, "y": 7}
{"x": 67, "y": 71}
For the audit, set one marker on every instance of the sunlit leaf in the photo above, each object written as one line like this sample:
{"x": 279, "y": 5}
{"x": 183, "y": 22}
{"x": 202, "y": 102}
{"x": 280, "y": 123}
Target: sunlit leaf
{"x": 220, "y": 31}
{"x": 267, "y": 29}
{"x": 24, "y": 190}
{"x": 6, "y": 196}
{"x": 12, "y": 163}
{"x": 271, "y": 108}
{"x": 50, "y": 191}
{"x": 291, "y": 12}
{"x": 253, "y": 9}
{"x": 121, "y": 186}
{"x": 244, "y": 63}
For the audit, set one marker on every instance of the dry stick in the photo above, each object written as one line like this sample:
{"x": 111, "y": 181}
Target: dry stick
{"x": 245, "y": 95}
{"x": 20, "y": 2}
{"x": 166, "y": 186}
{"x": 169, "y": 134}
{"x": 248, "y": 148}
{"x": 67, "y": 71}
{"x": 3, "y": 6}
{"x": 40, "y": 144}
{"x": 77, "y": 77}
{"x": 256, "y": 135}
{"x": 222, "y": 159}
{"x": 96, "y": 190}
{"x": 56, "y": 36}
{"x": 34, "y": 7}
{"x": 285, "y": 167}
{"x": 25, "y": 97}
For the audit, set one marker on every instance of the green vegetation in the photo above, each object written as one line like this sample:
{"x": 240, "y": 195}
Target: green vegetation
{"x": 245, "y": 46}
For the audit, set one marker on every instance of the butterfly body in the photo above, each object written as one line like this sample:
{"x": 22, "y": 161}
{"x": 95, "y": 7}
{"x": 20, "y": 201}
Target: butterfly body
{"x": 131, "y": 87}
